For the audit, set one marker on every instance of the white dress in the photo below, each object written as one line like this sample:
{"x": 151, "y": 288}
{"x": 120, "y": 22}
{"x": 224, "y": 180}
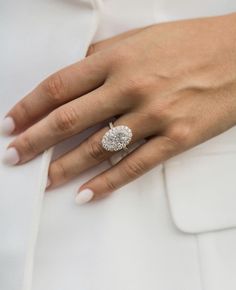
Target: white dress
{"x": 172, "y": 229}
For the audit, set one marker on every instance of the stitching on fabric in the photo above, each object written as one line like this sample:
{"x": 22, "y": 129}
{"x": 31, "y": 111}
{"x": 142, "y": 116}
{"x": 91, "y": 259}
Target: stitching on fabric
{"x": 200, "y": 263}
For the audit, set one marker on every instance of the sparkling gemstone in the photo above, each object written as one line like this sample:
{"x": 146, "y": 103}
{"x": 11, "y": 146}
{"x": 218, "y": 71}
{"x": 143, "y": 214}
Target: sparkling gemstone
{"x": 117, "y": 138}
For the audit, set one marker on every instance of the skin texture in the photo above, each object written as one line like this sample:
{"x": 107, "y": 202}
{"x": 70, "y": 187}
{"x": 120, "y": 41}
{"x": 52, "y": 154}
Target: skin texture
{"x": 173, "y": 84}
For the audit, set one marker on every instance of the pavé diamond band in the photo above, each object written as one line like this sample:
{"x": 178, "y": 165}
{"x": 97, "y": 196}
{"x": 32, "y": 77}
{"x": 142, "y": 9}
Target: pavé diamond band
{"x": 117, "y": 138}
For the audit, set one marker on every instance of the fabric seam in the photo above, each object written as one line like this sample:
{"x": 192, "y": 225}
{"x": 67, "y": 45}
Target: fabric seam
{"x": 38, "y": 203}
{"x": 200, "y": 262}
{"x": 198, "y": 252}
{"x": 37, "y": 207}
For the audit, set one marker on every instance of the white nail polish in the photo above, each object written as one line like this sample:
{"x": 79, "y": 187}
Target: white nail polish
{"x": 11, "y": 156}
{"x": 7, "y": 126}
{"x": 84, "y": 196}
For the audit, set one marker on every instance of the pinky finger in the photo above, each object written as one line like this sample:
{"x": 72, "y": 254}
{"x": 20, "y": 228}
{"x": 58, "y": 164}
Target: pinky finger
{"x": 141, "y": 160}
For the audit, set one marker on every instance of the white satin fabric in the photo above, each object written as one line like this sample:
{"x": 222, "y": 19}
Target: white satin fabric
{"x": 172, "y": 229}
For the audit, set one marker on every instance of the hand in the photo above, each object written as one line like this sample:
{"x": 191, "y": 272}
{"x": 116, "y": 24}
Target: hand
{"x": 173, "y": 84}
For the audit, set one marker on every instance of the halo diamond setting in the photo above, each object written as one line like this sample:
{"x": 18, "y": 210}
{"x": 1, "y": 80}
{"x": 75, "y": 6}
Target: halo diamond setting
{"x": 117, "y": 138}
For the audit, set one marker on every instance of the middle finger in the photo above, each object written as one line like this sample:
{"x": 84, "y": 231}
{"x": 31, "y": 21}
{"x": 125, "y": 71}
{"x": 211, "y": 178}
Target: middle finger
{"x": 66, "y": 121}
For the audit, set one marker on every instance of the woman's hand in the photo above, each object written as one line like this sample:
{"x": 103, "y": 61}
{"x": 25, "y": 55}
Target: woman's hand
{"x": 173, "y": 84}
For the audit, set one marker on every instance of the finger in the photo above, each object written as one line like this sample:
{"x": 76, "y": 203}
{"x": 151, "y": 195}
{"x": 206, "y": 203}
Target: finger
{"x": 91, "y": 152}
{"x": 66, "y": 121}
{"x": 59, "y": 88}
{"x": 103, "y": 44}
{"x": 149, "y": 155}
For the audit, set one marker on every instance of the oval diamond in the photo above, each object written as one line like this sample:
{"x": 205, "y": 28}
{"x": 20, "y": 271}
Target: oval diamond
{"x": 117, "y": 138}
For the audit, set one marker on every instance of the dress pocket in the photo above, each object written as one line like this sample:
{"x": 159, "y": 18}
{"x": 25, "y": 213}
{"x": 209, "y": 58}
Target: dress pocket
{"x": 201, "y": 186}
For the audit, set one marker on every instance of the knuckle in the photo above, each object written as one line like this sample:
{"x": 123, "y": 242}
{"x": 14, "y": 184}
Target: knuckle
{"x": 95, "y": 150}
{"x": 120, "y": 55}
{"x": 157, "y": 117}
{"x": 55, "y": 87}
{"x": 29, "y": 145}
{"x": 179, "y": 134}
{"x": 163, "y": 111}
{"x": 109, "y": 183}
{"x": 167, "y": 148}
{"x": 64, "y": 120}
{"x": 133, "y": 169}
{"x": 133, "y": 85}
{"x": 59, "y": 171}
{"x": 138, "y": 85}
{"x": 24, "y": 111}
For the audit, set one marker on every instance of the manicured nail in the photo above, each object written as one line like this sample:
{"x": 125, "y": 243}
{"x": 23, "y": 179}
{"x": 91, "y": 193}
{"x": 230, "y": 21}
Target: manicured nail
{"x": 7, "y": 126}
{"x": 84, "y": 196}
{"x": 48, "y": 183}
{"x": 11, "y": 156}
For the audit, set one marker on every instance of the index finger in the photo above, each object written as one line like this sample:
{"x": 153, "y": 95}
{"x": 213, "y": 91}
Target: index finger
{"x": 59, "y": 88}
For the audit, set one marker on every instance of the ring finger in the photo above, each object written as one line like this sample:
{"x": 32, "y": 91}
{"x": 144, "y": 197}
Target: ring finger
{"x": 91, "y": 152}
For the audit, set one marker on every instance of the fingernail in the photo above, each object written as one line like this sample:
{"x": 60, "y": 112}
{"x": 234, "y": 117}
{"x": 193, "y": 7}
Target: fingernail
{"x": 7, "y": 126}
{"x": 11, "y": 156}
{"x": 84, "y": 196}
{"x": 48, "y": 182}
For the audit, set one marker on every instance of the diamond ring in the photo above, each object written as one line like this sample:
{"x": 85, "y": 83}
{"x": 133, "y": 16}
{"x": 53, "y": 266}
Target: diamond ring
{"x": 117, "y": 138}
